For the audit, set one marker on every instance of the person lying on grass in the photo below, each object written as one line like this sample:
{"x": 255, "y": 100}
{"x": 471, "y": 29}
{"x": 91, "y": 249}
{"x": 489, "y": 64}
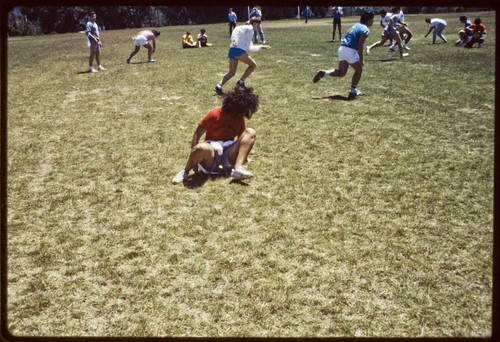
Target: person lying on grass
{"x": 228, "y": 140}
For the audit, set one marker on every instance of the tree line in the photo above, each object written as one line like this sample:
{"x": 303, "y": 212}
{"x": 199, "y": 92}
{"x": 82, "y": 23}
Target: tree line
{"x": 36, "y": 20}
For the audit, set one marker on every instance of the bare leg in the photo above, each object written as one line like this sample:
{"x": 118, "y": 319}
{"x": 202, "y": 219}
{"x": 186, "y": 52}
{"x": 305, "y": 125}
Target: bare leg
{"x": 202, "y": 154}
{"x": 238, "y": 155}
{"x": 233, "y": 66}
{"x": 133, "y": 53}
{"x": 251, "y": 65}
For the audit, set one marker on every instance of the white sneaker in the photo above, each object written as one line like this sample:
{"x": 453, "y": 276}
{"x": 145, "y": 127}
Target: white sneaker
{"x": 91, "y": 69}
{"x": 392, "y": 48}
{"x": 367, "y": 50}
{"x": 180, "y": 177}
{"x": 151, "y": 60}
{"x": 405, "y": 54}
{"x": 356, "y": 92}
{"x": 241, "y": 173}
{"x": 406, "y": 47}
{"x": 101, "y": 68}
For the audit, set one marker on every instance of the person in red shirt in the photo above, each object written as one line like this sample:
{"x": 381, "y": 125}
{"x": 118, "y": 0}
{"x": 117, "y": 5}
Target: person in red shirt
{"x": 478, "y": 29}
{"x": 228, "y": 140}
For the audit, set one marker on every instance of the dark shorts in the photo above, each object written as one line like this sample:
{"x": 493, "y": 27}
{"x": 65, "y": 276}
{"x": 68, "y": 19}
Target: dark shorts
{"x": 337, "y": 20}
{"x": 221, "y": 163}
{"x": 235, "y": 52}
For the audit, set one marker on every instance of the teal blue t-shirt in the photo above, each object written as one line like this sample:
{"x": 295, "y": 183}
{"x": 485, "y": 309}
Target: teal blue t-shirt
{"x": 352, "y": 36}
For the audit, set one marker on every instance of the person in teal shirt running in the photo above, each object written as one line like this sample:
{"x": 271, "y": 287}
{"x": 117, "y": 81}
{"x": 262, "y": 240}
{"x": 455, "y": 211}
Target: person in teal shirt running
{"x": 351, "y": 53}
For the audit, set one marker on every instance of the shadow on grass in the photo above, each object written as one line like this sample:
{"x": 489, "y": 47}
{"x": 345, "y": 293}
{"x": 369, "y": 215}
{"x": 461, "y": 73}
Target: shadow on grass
{"x": 199, "y": 179}
{"x": 336, "y": 97}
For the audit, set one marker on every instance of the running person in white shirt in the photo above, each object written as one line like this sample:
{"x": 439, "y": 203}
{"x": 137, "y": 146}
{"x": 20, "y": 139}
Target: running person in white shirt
{"x": 241, "y": 43}
{"x": 388, "y": 33}
{"x": 351, "y": 53}
{"x": 402, "y": 28}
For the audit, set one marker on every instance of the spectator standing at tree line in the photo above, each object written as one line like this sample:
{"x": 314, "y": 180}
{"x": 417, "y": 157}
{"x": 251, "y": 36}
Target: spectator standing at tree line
{"x": 232, "y": 17}
{"x": 94, "y": 43}
{"x": 337, "y": 21}
{"x": 257, "y": 13}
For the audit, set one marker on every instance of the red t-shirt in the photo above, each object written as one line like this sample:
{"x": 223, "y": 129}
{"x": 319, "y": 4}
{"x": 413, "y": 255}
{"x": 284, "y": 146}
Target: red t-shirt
{"x": 221, "y": 126}
{"x": 477, "y": 28}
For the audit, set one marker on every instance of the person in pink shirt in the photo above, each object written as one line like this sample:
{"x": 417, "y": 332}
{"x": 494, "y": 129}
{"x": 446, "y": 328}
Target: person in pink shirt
{"x": 142, "y": 39}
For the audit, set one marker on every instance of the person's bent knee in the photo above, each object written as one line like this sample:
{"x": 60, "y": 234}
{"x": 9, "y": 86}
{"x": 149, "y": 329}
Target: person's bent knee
{"x": 201, "y": 148}
{"x": 250, "y": 133}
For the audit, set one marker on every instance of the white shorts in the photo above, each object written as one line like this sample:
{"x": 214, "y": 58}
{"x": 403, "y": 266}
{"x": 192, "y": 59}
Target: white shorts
{"x": 347, "y": 54}
{"x": 140, "y": 41}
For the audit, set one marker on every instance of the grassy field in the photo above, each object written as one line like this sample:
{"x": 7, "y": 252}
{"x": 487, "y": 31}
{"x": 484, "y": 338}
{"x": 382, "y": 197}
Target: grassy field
{"x": 371, "y": 217}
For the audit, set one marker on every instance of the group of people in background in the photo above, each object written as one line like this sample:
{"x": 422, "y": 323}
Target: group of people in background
{"x": 472, "y": 33}
{"x": 228, "y": 141}
{"x": 201, "y": 40}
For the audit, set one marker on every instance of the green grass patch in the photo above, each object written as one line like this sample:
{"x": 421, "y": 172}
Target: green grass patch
{"x": 370, "y": 217}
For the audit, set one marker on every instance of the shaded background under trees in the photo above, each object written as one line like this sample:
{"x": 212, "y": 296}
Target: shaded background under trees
{"x": 61, "y": 19}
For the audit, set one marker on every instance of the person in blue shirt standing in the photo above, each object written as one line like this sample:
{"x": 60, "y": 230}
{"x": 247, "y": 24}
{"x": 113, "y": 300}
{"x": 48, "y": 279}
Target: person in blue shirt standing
{"x": 351, "y": 53}
{"x": 337, "y": 21}
{"x": 307, "y": 13}
{"x": 257, "y": 13}
{"x": 232, "y": 21}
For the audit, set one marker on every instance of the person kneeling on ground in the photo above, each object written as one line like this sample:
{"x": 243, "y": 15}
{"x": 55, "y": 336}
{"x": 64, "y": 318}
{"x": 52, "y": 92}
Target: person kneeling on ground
{"x": 478, "y": 29}
{"x": 228, "y": 140}
{"x": 187, "y": 41}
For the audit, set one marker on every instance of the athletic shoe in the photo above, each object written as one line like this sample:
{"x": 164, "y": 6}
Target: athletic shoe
{"x": 319, "y": 75}
{"x": 241, "y": 173}
{"x": 355, "y": 93}
{"x": 91, "y": 69}
{"x": 263, "y": 42}
{"x": 392, "y": 49}
{"x": 218, "y": 90}
{"x": 151, "y": 60}
{"x": 405, "y": 55}
{"x": 406, "y": 47}
{"x": 241, "y": 84}
{"x": 367, "y": 50}
{"x": 180, "y": 177}
{"x": 100, "y": 68}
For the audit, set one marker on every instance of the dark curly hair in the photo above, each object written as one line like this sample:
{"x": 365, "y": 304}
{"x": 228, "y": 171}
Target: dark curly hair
{"x": 241, "y": 102}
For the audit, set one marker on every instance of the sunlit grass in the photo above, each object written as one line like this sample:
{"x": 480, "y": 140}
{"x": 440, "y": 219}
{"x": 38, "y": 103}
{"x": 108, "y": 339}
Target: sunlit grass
{"x": 370, "y": 217}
